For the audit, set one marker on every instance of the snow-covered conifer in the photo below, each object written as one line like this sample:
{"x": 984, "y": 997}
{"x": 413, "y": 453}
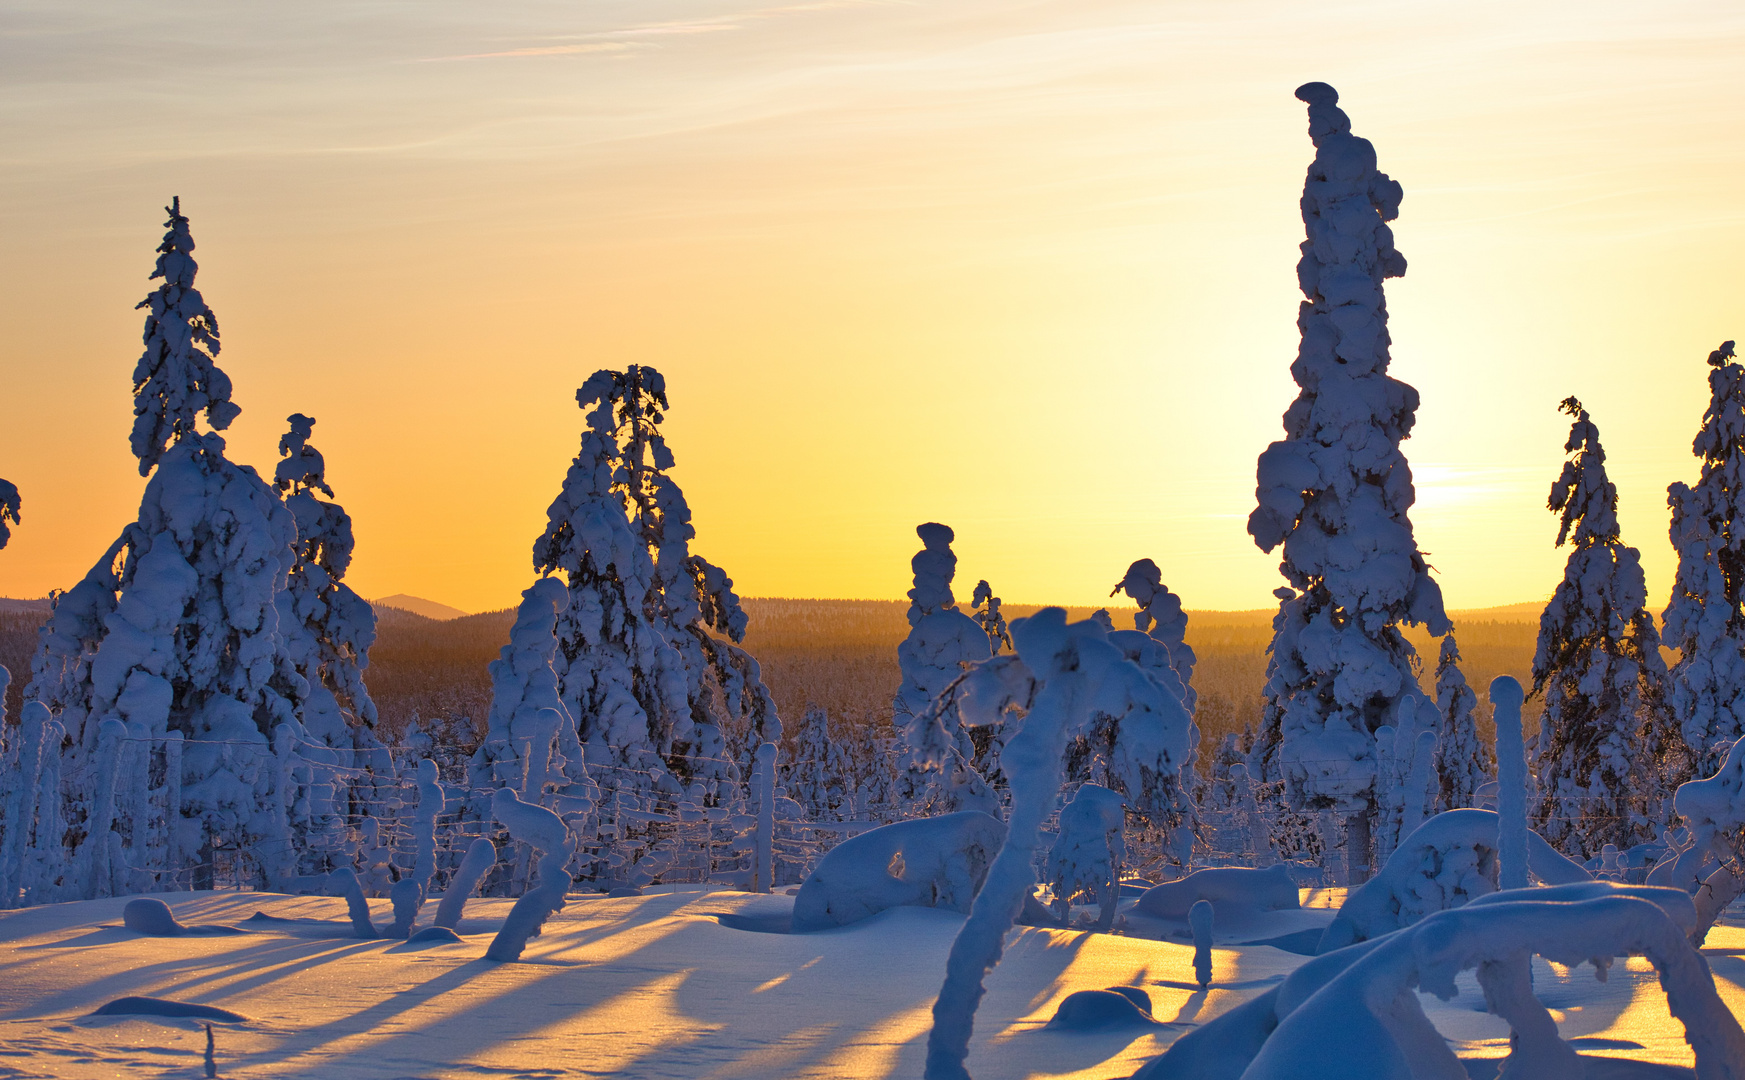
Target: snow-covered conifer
{"x": 1463, "y": 761}
{"x": 328, "y": 627}
{"x": 1336, "y": 491}
{"x": 1087, "y": 855}
{"x": 176, "y": 628}
{"x": 1160, "y": 615}
{"x": 1605, "y": 733}
{"x": 815, "y": 775}
{"x": 1706, "y": 619}
{"x": 177, "y": 376}
{"x": 10, "y": 504}
{"x": 942, "y": 641}
{"x": 993, "y": 623}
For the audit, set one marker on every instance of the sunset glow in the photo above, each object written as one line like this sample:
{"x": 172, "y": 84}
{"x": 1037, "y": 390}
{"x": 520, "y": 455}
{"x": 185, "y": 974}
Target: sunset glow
{"x": 1026, "y": 269}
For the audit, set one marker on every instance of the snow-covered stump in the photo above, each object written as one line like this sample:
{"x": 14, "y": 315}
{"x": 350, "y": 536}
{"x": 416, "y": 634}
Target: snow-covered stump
{"x": 344, "y": 882}
{"x": 545, "y": 832}
{"x": 480, "y": 857}
{"x": 1506, "y": 699}
{"x": 95, "y": 869}
{"x": 1200, "y": 920}
{"x": 24, "y": 786}
{"x": 408, "y": 893}
{"x": 763, "y": 788}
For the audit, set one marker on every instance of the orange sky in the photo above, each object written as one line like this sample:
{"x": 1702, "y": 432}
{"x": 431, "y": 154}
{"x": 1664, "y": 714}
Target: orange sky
{"x": 1024, "y": 268}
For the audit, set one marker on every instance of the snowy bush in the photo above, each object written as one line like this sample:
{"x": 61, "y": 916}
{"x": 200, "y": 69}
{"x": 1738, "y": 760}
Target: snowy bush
{"x": 925, "y": 862}
{"x": 1335, "y": 493}
{"x": 1606, "y": 739}
{"x": 1087, "y": 854}
{"x": 1705, "y": 621}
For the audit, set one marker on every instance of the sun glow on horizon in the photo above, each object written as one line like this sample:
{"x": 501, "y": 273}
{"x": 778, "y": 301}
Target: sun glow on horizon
{"x": 1028, "y": 272}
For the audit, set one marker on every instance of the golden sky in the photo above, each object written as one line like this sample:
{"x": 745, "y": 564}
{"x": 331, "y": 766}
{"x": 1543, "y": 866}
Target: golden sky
{"x": 1025, "y": 267}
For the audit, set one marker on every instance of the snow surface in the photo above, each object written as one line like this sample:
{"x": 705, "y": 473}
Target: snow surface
{"x": 654, "y": 986}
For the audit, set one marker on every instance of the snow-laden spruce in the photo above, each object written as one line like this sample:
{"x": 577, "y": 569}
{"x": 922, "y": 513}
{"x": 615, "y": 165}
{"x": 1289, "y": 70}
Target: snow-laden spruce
{"x": 10, "y": 504}
{"x": 1336, "y": 490}
{"x": 819, "y": 772}
{"x": 938, "y": 774}
{"x": 1086, "y": 858}
{"x": 177, "y": 377}
{"x": 1463, "y": 760}
{"x": 1705, "y": 621}
{"x": 1605, "y": 739}
{"x": 176, "y": 630}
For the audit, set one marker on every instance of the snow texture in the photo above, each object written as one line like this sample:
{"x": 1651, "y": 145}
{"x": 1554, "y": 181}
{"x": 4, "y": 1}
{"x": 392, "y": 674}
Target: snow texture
{"x": 1336, "y": 491}
{"x": 1705, "y": 620}
{"x": 177, "y": 377}
{"x": 1606, "y": 742}
{"x": 925, "y": 862}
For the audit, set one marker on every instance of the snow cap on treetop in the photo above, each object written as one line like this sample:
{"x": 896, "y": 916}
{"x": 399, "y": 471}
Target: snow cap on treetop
{"x": 177, "y": 376}
{"x": 9, "y": 506}
{"x": 302, "y": 464}
{"x": 1587, "y": 499}
{"x": 934, "y": 566}
{"x": 1721, "y": 355}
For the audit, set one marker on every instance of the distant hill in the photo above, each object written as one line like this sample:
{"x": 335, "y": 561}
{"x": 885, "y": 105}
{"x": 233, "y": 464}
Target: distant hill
{"x": 14, "y": 607}
{"x": 417, "y": 605}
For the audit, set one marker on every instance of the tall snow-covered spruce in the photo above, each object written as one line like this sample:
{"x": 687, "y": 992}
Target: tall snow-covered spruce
{"x": 1463, "y": 761}
{"x": 1705, "y": 620}
{"x": 1335, "y": 492}
{"x": 1605, "y": 737}
{"x": 648, "y": 660}
{"x": 175, "y": 631}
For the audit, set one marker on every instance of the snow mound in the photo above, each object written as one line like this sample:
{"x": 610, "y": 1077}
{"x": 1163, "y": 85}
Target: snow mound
{"x": 1445, "y": 863}
{"x": 1100, "y": 1010}
{"x": 1229, "y": 889}
{"x": 927, "y": 862}
{"x": 154, "y": 918}
{"x": 180, "y": 1010}
{"x": 431, "y": 935}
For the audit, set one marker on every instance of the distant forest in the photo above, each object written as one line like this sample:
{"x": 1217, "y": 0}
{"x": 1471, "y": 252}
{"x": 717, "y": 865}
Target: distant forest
{"x": 842, "y": 655}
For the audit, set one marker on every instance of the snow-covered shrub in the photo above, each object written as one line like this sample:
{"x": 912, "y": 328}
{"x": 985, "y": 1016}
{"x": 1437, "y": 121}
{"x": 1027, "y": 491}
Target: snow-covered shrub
{"x": 818, "y": 772}
{"x": 939, "y": 774}
{"x": 1463, "y": 761}
{"x": 1087, "y": 854}
{"x": 1062, "y": 678}
{"x": 1705, "y": 621}
{"x": 1606, "y": 739}
{"x": 924, "y": 862}
{"x": 1335, "y": 493}
{"x": 1229, "y": 889}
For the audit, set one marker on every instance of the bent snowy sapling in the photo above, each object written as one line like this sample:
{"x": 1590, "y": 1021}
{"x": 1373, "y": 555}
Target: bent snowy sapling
{"x": 543, "y": 830}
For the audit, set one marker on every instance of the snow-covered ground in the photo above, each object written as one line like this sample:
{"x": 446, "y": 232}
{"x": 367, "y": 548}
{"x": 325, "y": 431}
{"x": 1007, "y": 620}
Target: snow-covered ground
{"x": 687, "y": 982}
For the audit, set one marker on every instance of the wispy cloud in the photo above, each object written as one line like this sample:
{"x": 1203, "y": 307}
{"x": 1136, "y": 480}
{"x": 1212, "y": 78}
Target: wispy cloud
{"x": 608, "y": 41}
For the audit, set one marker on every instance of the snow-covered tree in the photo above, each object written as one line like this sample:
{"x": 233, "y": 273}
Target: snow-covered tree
{"x": 1335, "y": 493}
{"x": 176, "y": 628}
{"x": 1463, "y": 760}
{"x": 328, "y": 627}
{"x": 10, "y": 504}
{"x": 818, "y": 773}
{"x": 1605, "y": 735}
{"x": 1160, "y": 615}
{"x": 1705, "y": 620}
{"x": 942, "y": 641}
{"x": 648, "y": 662}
